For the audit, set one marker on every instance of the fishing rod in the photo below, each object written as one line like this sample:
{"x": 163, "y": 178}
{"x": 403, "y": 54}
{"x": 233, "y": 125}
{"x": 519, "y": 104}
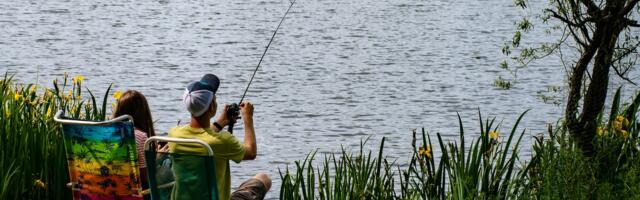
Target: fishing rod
{"x": 234, "y": 109}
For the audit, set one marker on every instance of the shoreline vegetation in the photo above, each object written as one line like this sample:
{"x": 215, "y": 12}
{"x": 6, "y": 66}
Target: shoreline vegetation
{"x": 33, "y": 163}
{"x": 489, "y": 168}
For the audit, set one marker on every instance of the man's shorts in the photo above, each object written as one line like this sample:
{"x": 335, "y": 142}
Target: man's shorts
{"x": 250, "y": 190}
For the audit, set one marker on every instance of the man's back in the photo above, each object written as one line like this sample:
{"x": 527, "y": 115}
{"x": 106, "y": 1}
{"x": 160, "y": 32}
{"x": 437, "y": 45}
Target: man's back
{"x": 225, "y": 147}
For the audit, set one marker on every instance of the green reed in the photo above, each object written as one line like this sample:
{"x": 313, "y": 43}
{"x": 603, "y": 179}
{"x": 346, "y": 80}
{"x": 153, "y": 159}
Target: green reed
{"x": 349, "y": 176}
{"x": 488, "y": 167}
{"x": 485, "y": 172}
{"x": 32, "y": 157}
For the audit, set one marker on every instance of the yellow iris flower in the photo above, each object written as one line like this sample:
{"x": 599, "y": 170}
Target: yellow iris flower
{"x": 620, "y": 122}
{"x": 425, "y": 151}
{"x": 600, "y": 131}
{"x": 17, "y": 97}
{"x": 494, "y": 135}
{"x": 78, "y": 79}
{"x": 117, "y": 95}
{"x": 39, "y": 183}
{"x": 49, "y": 111}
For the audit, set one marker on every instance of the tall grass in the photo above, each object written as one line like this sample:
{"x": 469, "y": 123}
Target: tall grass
{"x": 33, "y": 164}
{"x": 484, "y": 172}
{"x": 487, "y": 168}
{"x": 559, "y": 170}
{"x": 350, "y": 176}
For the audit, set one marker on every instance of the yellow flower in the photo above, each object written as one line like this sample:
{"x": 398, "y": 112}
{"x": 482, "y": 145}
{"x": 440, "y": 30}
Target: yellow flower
{"x": 624, "y": 134}
{"x": 600, "y": 131}
{"x": 494, "y": 135}
{"x": 621, "y": 122}
{"x": 17, "y": 97}
{"x": 425, "y": 151}
{"x": 74, "y": 110}
{"x": 78, "y": 79}
{"x": 617, "y": 125}
{"x": 49, "y": 111}
{"x": 117, "y": 95}
{"x": 40, "y": 184}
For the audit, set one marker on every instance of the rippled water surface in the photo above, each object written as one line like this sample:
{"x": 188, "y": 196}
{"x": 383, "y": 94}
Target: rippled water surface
{"x": 337, "y": 72}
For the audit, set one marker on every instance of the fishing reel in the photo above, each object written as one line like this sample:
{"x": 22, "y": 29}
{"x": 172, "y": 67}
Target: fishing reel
{"x": 233, "y": 113}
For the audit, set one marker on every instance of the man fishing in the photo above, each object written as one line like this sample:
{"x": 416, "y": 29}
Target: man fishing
{"x": 200, "y": 100}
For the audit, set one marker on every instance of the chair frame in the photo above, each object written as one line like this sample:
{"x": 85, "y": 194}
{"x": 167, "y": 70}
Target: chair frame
{"x": 59, "y": 117}
{"x": 148, "y": 148}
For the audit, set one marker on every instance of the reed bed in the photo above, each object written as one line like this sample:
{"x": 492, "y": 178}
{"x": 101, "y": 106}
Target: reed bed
{"x": 487, "y": 168}
{"x": 33, "y": 164}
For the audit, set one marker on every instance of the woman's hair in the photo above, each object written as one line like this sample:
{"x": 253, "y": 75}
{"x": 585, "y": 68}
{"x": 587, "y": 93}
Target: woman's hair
{"x": 134, "y": 104}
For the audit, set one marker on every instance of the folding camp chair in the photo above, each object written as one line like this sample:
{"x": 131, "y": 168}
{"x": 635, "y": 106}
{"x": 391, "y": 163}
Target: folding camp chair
{"x": 195, "y": 176}
{"x": 102, "y": 159}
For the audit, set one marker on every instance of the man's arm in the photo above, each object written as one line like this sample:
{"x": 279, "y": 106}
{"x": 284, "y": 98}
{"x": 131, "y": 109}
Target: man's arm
{"x": 250, "y": 147}
{"x": 246, "y": 109}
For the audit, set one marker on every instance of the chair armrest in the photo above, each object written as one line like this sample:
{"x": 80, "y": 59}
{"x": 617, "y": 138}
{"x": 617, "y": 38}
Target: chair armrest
{"x": 163, "y": 186}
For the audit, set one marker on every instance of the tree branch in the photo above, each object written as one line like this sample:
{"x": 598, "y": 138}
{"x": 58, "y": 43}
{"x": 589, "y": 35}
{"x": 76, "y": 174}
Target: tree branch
{"x": 580, "y": 25}
{"x": 631, "y": 23}
{"x": 622, "y": 76}
{"x": 629, "y": 7}
{"x": 592, "y": 8}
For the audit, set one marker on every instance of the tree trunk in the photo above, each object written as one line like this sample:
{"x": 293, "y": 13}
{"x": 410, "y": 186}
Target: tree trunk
{"x": 604, "y": 40}
{"x": 575, "y": 88}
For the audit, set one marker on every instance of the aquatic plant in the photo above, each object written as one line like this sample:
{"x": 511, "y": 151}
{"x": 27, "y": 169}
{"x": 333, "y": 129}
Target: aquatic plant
{"x": 349, "y": 176}
{"x": 486, "y": 171}
{"x": 489, "y": 168}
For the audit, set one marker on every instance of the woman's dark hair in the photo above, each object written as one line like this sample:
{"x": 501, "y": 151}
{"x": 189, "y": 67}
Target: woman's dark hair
{"x": 134, "y": 104}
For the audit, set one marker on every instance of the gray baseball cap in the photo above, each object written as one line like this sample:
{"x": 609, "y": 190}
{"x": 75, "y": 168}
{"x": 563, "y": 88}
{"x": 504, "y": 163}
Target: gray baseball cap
{"x": 198, "y": 95}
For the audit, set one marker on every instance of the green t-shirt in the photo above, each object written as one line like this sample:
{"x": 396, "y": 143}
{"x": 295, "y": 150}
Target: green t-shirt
{"x": 225, "y": 147}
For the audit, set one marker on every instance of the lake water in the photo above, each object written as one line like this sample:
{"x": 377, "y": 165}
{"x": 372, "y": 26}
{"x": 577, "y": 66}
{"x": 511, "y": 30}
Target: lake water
{"x": 337, "y": 72}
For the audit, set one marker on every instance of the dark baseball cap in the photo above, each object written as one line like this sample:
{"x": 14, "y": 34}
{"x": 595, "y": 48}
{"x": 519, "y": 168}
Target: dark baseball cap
{"x": 208, "y": 82}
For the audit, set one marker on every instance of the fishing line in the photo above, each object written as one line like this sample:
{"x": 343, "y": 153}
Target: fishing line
{"x": 265, "y": 50}
{"x": 234, "y": 109}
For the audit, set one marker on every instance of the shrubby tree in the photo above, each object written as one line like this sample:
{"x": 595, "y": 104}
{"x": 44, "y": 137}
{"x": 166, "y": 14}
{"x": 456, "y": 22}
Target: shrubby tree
{"x": 599, "y": 35}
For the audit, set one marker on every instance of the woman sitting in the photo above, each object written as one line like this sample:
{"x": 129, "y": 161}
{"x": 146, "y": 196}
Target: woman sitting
{"x": 134, "y": 104}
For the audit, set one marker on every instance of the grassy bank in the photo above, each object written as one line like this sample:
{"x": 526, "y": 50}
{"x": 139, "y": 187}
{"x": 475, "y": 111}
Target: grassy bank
{"x": 33, "y": 164}
{"x": 488, "y": 168}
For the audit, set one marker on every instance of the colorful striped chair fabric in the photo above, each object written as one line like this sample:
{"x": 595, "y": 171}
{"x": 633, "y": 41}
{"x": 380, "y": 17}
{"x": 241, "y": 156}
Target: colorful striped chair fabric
{"x": 102, "y": 158}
